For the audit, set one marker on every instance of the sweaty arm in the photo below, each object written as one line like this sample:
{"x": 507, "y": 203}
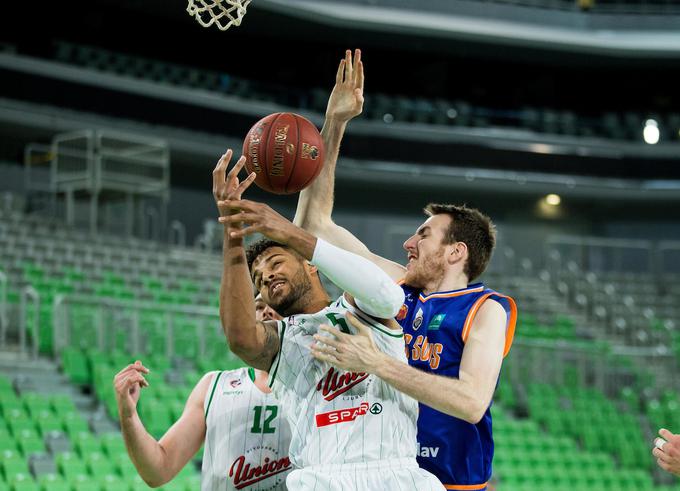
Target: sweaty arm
{"x": 466, "y": 397}
{"x": 159, "y": 461}
{"x": 315, "y": 203}
{"x": 255, "y": 342}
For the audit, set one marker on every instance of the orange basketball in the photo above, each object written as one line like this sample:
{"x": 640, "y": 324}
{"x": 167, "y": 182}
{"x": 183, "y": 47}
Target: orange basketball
{"x": 286, "y": 152}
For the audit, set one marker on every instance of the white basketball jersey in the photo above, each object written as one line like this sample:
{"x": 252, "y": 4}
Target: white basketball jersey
{"x": 247, "y": 438}
{"x": 338, "y": 417}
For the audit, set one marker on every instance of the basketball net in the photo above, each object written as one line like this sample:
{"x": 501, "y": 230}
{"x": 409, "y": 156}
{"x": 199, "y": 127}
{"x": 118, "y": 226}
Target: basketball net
{"x": 222, "y": 13}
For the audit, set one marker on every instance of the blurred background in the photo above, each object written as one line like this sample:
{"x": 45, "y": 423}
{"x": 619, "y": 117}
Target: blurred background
{"x": 558, "y": 118}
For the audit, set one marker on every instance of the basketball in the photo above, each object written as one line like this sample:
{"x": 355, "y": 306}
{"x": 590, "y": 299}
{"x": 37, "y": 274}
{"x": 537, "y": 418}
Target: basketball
{"x": 286, "y": 152}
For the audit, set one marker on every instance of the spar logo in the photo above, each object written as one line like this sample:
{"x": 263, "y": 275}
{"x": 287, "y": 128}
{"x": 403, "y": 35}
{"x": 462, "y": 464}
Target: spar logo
{"x": 244, "y": 472}
{"x": 335, "y": 383}
{"x": 341, "y": 415}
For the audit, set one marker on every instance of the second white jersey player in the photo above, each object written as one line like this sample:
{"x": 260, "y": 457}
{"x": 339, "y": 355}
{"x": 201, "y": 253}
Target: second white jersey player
{"x": 247, "y": 438}
{"x": 344, "y": 422}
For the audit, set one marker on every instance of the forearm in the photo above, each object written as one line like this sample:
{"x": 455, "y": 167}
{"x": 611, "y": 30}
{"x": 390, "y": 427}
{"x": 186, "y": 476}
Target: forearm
{"x": 315, "y": 203}
{"x": 451, "y": 396}
{"x": 237, "y": 305}
{"x": 145, "y": 452}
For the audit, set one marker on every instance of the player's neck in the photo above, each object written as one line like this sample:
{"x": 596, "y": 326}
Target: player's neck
{"x": 261, "y": 381}
{"x": 449, "y": 282}
{"x": 316, "y": 299}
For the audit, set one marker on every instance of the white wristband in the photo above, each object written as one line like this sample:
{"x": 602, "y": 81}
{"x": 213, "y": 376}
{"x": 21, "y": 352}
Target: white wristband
{"x": 373, "y": 290}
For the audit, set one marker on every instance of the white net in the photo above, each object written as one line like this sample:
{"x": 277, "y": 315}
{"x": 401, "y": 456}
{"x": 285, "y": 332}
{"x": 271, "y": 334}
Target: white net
{"x": 222, "y": 13}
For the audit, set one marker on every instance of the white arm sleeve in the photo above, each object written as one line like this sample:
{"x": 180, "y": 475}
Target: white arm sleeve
{"x": 373, "y": 290}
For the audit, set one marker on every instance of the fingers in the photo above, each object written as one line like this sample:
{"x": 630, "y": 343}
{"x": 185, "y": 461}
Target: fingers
{"x": 321, "y": 356}
{"x": 359, "y": 78}
{"x": 333, "y": 332}
{"x": 245, "y": 231}
{"x": 667, "y": 435}
{"x": 360, "y": 326}
{"x": 244, "y": 185}
{"x": 341, "y": 71}
{"x": 348, "y": 67}
{"x": 233, "y": 173}
{"x": 357, "y": 63}
{"x": 238, "y": 218}
{"x": 326, "y": 341}
{"x": 240, "y": 204}
{"x": 137, "y": 365}
{"x": 219, "y": 172}
{"x": 659, "y": 443}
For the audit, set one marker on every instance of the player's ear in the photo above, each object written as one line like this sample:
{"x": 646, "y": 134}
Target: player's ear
{"x": 458, "y": 252}
{"x": 311, "y": 268}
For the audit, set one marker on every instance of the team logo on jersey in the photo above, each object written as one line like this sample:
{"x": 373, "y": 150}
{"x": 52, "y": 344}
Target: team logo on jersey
{"x": 418, "y": 321}
{"x": 402, "y": 312}
{"x": 341, "y": 415}
{"x": 235, "y": 383}
{"x": 436, "y": 322}
{"x": 335, "y": 383}
{"x": 244, "y": 473}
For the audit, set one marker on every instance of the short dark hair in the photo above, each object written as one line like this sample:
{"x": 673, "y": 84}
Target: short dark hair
{"x": 473, "y": 227}
{"x": 256, "y": 249}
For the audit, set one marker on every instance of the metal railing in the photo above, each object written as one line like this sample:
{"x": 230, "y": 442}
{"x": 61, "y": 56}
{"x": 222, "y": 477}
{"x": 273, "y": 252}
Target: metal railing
{"x": 116, "y": 319}
{"x": 588, "y": 364}
{"x": 4, "y": 320}
{"x": 29, "y": 294}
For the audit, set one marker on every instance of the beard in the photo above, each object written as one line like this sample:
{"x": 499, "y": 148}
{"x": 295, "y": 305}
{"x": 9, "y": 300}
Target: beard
{"x": 427, "y": 270}
{"x": 294, "y": 301}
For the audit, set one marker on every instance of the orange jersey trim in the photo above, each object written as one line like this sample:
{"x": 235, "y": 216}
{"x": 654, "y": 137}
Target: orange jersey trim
{"x": 452, "y": 294}
{"x": 510, "y": 328}
{"x": 466, "y": 487}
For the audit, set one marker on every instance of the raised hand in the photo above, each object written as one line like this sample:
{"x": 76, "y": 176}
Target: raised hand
{"x": 227, "y": 186}
{"x": 351, "y": 352}
{"x": 667, "y": 451}
{"x": 127, "y": 385}
{"x": 257, "y": 217}
{"x": 347, "y": 98}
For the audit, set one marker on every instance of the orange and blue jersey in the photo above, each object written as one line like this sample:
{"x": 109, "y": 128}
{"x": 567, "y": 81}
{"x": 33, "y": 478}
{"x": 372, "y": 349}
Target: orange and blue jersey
{"x": 436, "y": 327}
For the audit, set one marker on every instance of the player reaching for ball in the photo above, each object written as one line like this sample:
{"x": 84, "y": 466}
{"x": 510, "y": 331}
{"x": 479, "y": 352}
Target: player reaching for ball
{"x": 456, "y": 332}
{"x": 349, "y": 430}
{"x": 232, "y": 412}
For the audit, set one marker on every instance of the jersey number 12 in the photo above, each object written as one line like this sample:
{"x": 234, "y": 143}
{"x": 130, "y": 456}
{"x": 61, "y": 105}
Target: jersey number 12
{"x": 270, "y": 415}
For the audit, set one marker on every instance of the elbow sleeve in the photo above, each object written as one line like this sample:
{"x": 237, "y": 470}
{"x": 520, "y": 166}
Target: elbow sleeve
{"x": 373, "y": 290}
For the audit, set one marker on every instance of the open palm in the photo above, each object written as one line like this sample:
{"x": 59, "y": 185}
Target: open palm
{"x": 347, "y": 98}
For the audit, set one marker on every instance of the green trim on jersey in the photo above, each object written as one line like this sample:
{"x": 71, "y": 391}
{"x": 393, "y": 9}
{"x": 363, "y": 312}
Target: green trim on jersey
{"x": 217, "y": 378}
{"x": 251, "y": 373}
{"x": 367, "y": 320}
{"x": 278, "y": 355}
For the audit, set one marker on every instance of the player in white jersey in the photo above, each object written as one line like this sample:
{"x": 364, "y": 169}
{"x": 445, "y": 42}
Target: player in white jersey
{"x": 233, "y": 412}
{"x": 349, "y": 430}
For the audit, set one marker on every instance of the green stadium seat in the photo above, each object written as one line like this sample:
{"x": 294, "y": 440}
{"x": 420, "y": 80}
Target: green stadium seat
{"x": 112, "y": 482}
{"x": 17, "y": 420}
{"x": 74, "y": 363}
{"x": 85, "y": 443}
{"x": 53, "y": 482}
{"x": 62, "y": 404}
{"x": 74, "y": 423}
{"x": 99, "y": 465}
{"x": 30, "y": 442}
{"x": 12, "y": 463}
{"x": 113, "y": 445}
{"x": 24, "y": 482}
{"x": 35, "y": 403}
{"x": 70, "y": 465}
{"x": 47, "y": 421}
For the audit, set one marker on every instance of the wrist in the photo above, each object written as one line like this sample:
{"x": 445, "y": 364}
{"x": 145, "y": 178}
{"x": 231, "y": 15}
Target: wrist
{"x": 380, "y": 366}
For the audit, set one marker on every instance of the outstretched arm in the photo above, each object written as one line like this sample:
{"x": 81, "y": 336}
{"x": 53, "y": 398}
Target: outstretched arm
{"x": 159, "y": 461}
{"x": 255, "y": 342}
{"x": 315, "y": 203}
{"x": 466, "y": 397}
{"x": 373, "y": 290}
